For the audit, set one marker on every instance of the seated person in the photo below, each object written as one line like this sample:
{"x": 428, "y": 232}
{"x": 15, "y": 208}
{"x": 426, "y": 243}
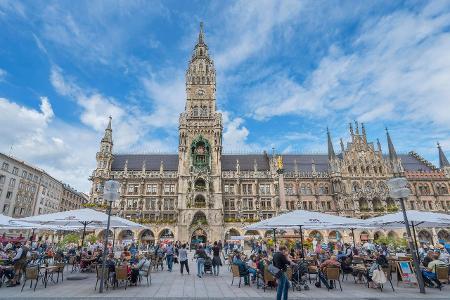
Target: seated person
{"x": 429, "y": 274}
{"x": 376, "y": 265}
{"x": 252, "y": 267}
{"x": 332, "y": 262}
{"x": 243, "y": 269}
{"x": 139, "y": 269}
{"x": 428, "y": 258}
{"x": 126, "y": 255}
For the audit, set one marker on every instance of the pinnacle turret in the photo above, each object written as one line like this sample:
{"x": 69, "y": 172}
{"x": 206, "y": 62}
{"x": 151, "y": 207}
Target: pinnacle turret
{"x": 443, "y": 161}
{"x": 331, "y": 154}
{"x": 107, "y": 137}
{"x": 392, "y": 153}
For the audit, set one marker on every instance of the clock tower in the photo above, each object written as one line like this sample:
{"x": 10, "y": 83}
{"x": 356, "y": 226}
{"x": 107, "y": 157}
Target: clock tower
{"x": 200, "y": 215}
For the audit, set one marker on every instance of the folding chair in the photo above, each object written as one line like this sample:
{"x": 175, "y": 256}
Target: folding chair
{"x": 332, "y": 273}
{"x": 31, "y": 273}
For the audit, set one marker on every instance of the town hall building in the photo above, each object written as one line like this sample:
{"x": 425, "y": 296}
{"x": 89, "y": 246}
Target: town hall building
{"x": 202, "y": 194}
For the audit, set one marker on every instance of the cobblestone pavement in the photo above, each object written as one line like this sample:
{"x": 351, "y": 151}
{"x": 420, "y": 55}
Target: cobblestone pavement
{"x": 176, "y": 286}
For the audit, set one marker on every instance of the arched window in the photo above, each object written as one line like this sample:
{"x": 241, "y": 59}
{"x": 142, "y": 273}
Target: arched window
{"x": 200, "y": 201}
{"x": 355, "y": 187}
{"x": 308, "y": 189}
{"x": 368, "y": 186}
{"x": 303, "y": 189}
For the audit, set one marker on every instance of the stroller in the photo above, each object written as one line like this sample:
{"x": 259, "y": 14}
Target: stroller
{"x": 298, "y": 271}
{"x": 208, "y": 265}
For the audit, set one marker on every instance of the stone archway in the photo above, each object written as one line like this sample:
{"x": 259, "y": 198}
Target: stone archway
{"x": 316, "y": 234}
{"x": 166, "y": 234}
{"x": 377, "y": 235}
{"x": 198, "y": 236}
{"x": 147, "y": 237}
{"x": 392, "y": 235}
{"x": 443, "y": 235}
{"x": 101, "y": 235}
{"x": 126, "y": 235}
{"x": 425, "y": 236}
{"x": 334, "y": 236}
{"x": 231, "y": 232}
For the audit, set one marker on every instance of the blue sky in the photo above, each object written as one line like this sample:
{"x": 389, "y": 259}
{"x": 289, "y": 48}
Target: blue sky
{"x": 285, "y": 71}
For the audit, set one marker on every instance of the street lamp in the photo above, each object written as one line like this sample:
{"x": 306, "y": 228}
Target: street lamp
{"x": 110, "y": 194}
{"x": 398, "y": 190}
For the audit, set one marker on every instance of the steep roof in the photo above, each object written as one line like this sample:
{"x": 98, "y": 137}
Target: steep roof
{"x": 152, "y": 162}
{"x": 246, "y": 162}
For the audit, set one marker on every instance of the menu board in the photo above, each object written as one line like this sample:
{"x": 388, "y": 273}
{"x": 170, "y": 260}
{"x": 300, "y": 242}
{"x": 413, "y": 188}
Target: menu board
{"x": 406, "y": 272}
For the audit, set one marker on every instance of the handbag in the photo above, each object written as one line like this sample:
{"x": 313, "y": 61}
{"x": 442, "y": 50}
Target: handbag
{"x": 276, "y": 272}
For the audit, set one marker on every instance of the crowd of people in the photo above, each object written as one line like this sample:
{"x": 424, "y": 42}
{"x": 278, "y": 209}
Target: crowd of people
{"x": 365, "y": 262}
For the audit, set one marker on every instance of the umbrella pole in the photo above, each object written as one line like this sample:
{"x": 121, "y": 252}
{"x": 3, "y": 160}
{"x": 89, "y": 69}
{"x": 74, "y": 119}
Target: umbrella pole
{"x": 353, "y": 237}
{"x": 301, "y": 241}
{"x": 274, "y": 240}
{"x": 84, "y": 233}
{"x": 415, "y": 239}
{"x": 114, "y": 238}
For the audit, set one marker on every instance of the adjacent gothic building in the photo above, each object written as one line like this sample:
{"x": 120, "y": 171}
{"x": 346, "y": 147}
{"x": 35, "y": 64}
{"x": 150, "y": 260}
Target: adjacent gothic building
{"x": 202, "y": 194}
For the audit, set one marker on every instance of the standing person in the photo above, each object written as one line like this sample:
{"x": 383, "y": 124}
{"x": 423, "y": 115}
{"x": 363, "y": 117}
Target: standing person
{"x": 183, "y": 258}
{"x": 201, "y": 256}
{"x": 19, "y": 261}
{"x": 169, "y": 256}
{"x": 281, "y": 261}
{"x": 216, "y": 262}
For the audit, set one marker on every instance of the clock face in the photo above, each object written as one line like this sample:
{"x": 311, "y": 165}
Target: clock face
{"x": 200, "y": 92}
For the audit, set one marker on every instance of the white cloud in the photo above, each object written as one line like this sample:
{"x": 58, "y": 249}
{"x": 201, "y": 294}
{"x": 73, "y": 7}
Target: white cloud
{"x": 390, "y": 72}
{"x": 128, "y": 123}
{"x": 249, "y": 27}
{"x": 168, "y": 98}
{"x": 64, "y": 151}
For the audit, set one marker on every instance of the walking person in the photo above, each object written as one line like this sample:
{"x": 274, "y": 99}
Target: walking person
{"x": 216, "y": 261}
{"x": 183, "y": 258}
{"x": 201, "y": 256}
{"x": 281, "y": 261}
{"x": 169, "y": 256}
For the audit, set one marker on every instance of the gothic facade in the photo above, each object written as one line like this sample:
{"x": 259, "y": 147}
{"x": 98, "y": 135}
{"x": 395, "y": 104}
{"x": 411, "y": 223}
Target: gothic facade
{"x": 201, "y": 193}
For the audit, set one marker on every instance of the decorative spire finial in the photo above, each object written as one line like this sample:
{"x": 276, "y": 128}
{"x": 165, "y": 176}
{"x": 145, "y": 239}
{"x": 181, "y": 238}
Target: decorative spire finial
{"x": 351, "y": 129}
{"x": 201, "y": 35}
{"x": 331, "y": 154}
{"x": 364, "y": 133}
{"x": 356, "y": 127}
{"x": 443, "y": 161}
{"x": 342, "y": 146}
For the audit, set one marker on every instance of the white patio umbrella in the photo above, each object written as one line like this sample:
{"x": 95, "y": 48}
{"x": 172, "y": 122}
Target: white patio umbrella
{"x": 79, "y": 218}
{"x": 306, "y": 219}
{"x": 7, "y": 222}
{"x": 416, "y": 219}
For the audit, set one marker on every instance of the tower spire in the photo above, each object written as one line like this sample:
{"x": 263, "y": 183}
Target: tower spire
{"x": 443, "y": 162}
{"x": 107, "y": 137}
{"x": 331, "y": 154}
{"x": 363, "y": 129}
{"x": 201, "y": 35}
{"x": 392, "y": 153}
{"x": 342, "y": 146}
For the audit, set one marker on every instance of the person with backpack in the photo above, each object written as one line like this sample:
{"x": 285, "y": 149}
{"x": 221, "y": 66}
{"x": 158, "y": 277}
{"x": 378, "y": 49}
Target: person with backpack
{"x": 183, "y": 258}
{"x": 281, "y": 261}
{"x": 19, "y": 262}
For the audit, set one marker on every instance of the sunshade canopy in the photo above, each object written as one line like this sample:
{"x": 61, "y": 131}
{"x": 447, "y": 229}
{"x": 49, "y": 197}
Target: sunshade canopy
{"x": 81, "y": 218}
{"x": 11, "y": 223}
{"x": 308, "y": 220}
{"x": 415, "y": 217}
